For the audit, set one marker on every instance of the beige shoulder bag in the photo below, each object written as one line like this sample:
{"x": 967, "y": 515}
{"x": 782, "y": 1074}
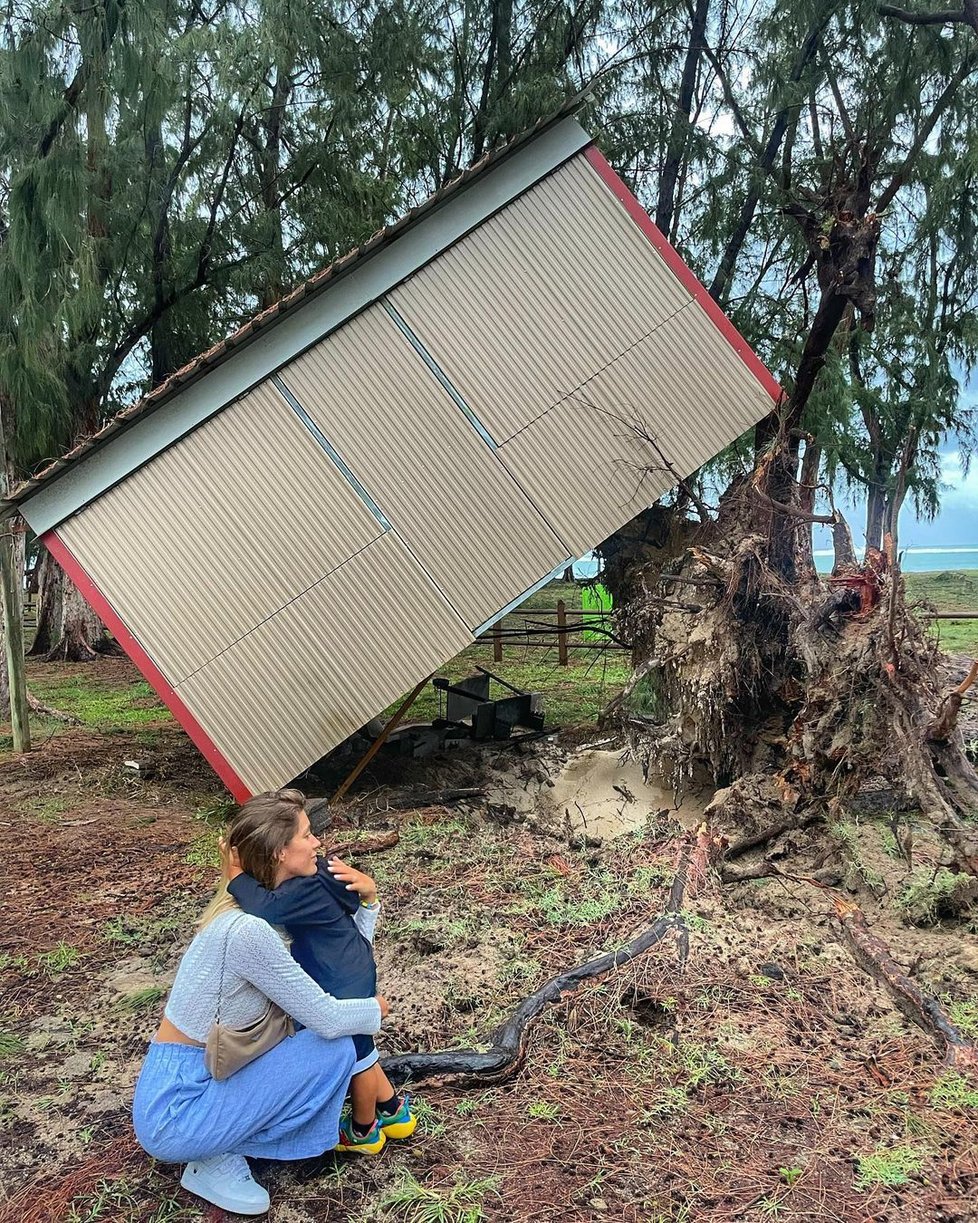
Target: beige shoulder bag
{"x": 228, "y": 1049}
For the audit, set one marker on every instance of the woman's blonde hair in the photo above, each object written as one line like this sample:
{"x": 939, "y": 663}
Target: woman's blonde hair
{"x": 260, "y": 830}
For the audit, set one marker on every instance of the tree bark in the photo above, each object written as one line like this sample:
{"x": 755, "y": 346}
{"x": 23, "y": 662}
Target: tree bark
{"x": 679, "y": 135}
{"x": 49, "y": 599}
{"x": 67, "y": 628}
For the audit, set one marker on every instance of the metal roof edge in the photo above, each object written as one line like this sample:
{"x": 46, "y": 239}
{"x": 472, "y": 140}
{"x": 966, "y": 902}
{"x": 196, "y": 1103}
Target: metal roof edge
{"x": 138, "y": 434}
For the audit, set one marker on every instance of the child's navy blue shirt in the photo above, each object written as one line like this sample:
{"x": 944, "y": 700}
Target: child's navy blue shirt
{"x": 317, "y": 911}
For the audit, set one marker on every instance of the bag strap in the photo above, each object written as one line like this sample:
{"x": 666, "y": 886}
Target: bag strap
{"x": 224, "y": 960}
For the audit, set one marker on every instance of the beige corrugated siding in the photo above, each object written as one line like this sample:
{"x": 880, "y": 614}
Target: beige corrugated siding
{"x": 315, "y": 672}
{"x": 683, "y": 386}
{"x": 531, "y": 303}
{"x": 219, "y": 531}
{"x": 447, "y": 496}
{"x": 265, "y": 590}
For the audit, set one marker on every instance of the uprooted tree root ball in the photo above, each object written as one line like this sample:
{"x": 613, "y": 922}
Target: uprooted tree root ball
{"x": 788, "y": 695}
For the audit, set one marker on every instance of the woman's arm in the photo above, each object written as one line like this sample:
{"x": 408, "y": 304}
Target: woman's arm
{"x": 256, "y": 953}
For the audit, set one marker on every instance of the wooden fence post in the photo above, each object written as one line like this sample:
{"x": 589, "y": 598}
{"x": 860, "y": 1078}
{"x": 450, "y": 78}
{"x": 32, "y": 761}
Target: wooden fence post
{"x": 497, "y": 641}
{"x": 562, "y": 632}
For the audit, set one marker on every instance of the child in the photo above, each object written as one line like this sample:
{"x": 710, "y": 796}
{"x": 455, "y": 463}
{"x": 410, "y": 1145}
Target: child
{"x": 330, "y": 916}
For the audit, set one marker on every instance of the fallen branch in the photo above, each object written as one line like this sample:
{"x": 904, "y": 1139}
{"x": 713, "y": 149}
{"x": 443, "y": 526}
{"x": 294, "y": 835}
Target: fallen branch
{"x": 48, "y": 711}
{"x": 509, "y": 1041}
{"x": 773, "y": 830}
{"x": 365, "y": 845}
{"x": 939, "y": 731}
{"x": 873, "y": 955}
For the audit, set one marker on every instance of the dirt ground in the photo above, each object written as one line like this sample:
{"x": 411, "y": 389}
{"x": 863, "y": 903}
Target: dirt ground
{"x": 769, "y": 1078}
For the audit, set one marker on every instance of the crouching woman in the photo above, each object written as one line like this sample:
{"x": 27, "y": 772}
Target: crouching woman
{"x": 285, "y": 1104}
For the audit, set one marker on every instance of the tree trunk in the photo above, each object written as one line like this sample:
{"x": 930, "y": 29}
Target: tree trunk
{"x": 67, "y": 628}
{"x": 681, "y": 123}
{"x": 875, "y": 516}
{"x": 13, "y": 684}
{"x": 49, "y": 592}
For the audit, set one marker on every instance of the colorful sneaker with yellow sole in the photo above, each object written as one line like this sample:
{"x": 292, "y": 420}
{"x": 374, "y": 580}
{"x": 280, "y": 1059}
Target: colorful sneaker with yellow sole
{"x": 401, "y": 1124}
{"x": 372, "y": 1143}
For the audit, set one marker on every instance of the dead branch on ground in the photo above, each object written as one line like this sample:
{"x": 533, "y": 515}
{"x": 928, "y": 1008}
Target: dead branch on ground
{"x": 364, "y": 845}
{"x": 508, "y": 1049}
{"x": 873, "y": 955}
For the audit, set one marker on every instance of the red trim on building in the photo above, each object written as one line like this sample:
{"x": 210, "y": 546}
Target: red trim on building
{"x": 56, "y": 546}
{"x": 680, "y": 270}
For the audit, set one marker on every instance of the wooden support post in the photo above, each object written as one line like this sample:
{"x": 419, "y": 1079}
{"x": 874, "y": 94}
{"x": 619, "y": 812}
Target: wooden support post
{"x": 562, "y": 632}
{"x": 497, "y": 641}
{"x": 13, "y": 639}
{"x": 381, "y": 739}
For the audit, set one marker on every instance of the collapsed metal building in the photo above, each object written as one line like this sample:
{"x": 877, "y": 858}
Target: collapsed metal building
{"x": 317, "y": 513}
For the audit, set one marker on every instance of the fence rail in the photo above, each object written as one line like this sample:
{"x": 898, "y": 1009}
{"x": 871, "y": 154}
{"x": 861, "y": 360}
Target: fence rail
{"x": 549, "y": 628}
{"x": 543, "y": 628}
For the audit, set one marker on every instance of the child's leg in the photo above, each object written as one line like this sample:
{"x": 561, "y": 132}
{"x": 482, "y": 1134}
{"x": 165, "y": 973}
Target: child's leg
{"x": 363, "y": 1095}
{"x": 385, "y": 1088}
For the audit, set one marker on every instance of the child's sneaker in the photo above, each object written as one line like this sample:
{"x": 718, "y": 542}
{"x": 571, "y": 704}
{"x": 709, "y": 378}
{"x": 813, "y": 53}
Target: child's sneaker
{"x": 372, "y": 1143}
{"x": 401, "y": 1124}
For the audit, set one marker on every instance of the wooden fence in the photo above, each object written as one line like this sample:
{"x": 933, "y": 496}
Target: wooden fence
{"x": 545, "y": 628}
{"x": 550, "y": 628}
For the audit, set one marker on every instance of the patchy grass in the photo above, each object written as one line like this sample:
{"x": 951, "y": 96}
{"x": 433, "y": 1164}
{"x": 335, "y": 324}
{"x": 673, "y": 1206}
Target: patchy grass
{"x": 931, "y": 896}
{"x": 964, "y": 1016}
{"x": 10, "y": 1044}
{"x": 409, "y": 1201}
{"x": 889, "y": 1166}
{"x": 141, "y": 999}
{"x": 59, "y": 959}
{"x": 950, "y": 591}
{"x": 952, "y": 1090}
{"x": 108, "y": 709}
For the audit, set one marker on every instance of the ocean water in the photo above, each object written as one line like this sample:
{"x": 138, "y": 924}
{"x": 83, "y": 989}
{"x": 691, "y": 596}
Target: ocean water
{"x": 917, "y": 560}
{"x": 913, "y": 560}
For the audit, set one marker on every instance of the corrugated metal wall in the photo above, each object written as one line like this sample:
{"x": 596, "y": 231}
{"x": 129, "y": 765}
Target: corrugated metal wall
{"x": 219, "y": 531}
{"x": 328, "y": 662}
{"x": 319, "y": 546}
{"x": 537, "y": 299}
{"x": 460, "y": 512}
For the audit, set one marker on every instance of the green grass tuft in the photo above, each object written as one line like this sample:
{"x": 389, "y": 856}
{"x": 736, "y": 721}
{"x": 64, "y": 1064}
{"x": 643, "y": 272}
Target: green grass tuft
{"x": 10, "y": 1043}
{"x": 59, "y": 959}
{"x": 952, "y": 1090}
{"x": 99, "y": 706}
{"x": 408, "y": 1201}
{"x": 141, "y": 999}
{"x": 891, "y": 1166}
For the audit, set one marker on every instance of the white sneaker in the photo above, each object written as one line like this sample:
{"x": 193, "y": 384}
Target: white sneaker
{"x": 226, "y": 1181}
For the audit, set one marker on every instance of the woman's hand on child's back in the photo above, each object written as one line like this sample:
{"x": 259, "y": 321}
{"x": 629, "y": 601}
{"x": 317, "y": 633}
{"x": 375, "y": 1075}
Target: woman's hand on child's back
{"x": 356, "y": 881}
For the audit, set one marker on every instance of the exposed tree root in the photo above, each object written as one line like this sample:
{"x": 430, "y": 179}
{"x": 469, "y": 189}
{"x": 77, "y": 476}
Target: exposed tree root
{"x": 437, "y": 798}
{"x": 802, "y": 819}
{"x": 873, "y": 955}
{"x": 946, "y": 721}
{"x": 789, "y": 696}
{"x": 509, "y": 1042}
